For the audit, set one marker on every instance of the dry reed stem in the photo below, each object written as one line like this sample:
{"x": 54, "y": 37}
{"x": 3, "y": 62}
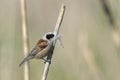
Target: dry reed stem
{"x": 56, "y": 32}
{"x": 115, "y": 28}
{"x": 88, "y": 55}
{"x": 25, "y": 38}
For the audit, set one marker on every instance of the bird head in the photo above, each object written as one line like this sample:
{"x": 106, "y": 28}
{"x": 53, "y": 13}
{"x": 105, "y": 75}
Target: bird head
{"x": 48, "y": 36}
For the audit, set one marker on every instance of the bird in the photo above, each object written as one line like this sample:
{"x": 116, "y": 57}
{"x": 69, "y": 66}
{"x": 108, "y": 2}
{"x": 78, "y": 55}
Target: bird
{"x": 41, "y": 49}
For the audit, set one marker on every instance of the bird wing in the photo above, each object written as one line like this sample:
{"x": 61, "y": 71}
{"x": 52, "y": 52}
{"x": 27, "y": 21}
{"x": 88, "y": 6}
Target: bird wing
{"x": 42, "y": 44}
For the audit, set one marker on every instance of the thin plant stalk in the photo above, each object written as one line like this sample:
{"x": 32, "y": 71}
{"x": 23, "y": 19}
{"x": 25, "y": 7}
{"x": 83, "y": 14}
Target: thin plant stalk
{"x": 25, "y": 38}
{"x": 115, "y": 28}
{"x": 88, "y": 55}
{"x": 56, "y": 32}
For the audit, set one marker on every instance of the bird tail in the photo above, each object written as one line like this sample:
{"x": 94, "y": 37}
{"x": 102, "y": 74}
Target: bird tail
{"x": 24, "y": 60}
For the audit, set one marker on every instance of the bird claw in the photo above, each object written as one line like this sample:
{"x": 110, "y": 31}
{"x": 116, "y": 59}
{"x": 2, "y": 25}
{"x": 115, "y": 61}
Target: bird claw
{"x": 49, "y": 61}
{"x": 45, "y": 60}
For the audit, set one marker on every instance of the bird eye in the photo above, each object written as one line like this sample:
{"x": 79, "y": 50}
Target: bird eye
{"x": 49, "y": 36}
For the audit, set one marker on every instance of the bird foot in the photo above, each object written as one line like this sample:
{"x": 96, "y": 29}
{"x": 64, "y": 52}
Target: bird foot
{"x": 49, "y": 61}
{"x": 45, "y": 60}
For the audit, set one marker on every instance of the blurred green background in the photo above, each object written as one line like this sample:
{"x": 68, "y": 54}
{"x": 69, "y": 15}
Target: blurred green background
{"x": 89, "y": 51}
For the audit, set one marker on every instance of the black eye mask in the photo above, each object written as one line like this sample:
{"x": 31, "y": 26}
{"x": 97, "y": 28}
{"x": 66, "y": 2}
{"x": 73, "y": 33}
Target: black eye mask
{"x": 49, "y": 36}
